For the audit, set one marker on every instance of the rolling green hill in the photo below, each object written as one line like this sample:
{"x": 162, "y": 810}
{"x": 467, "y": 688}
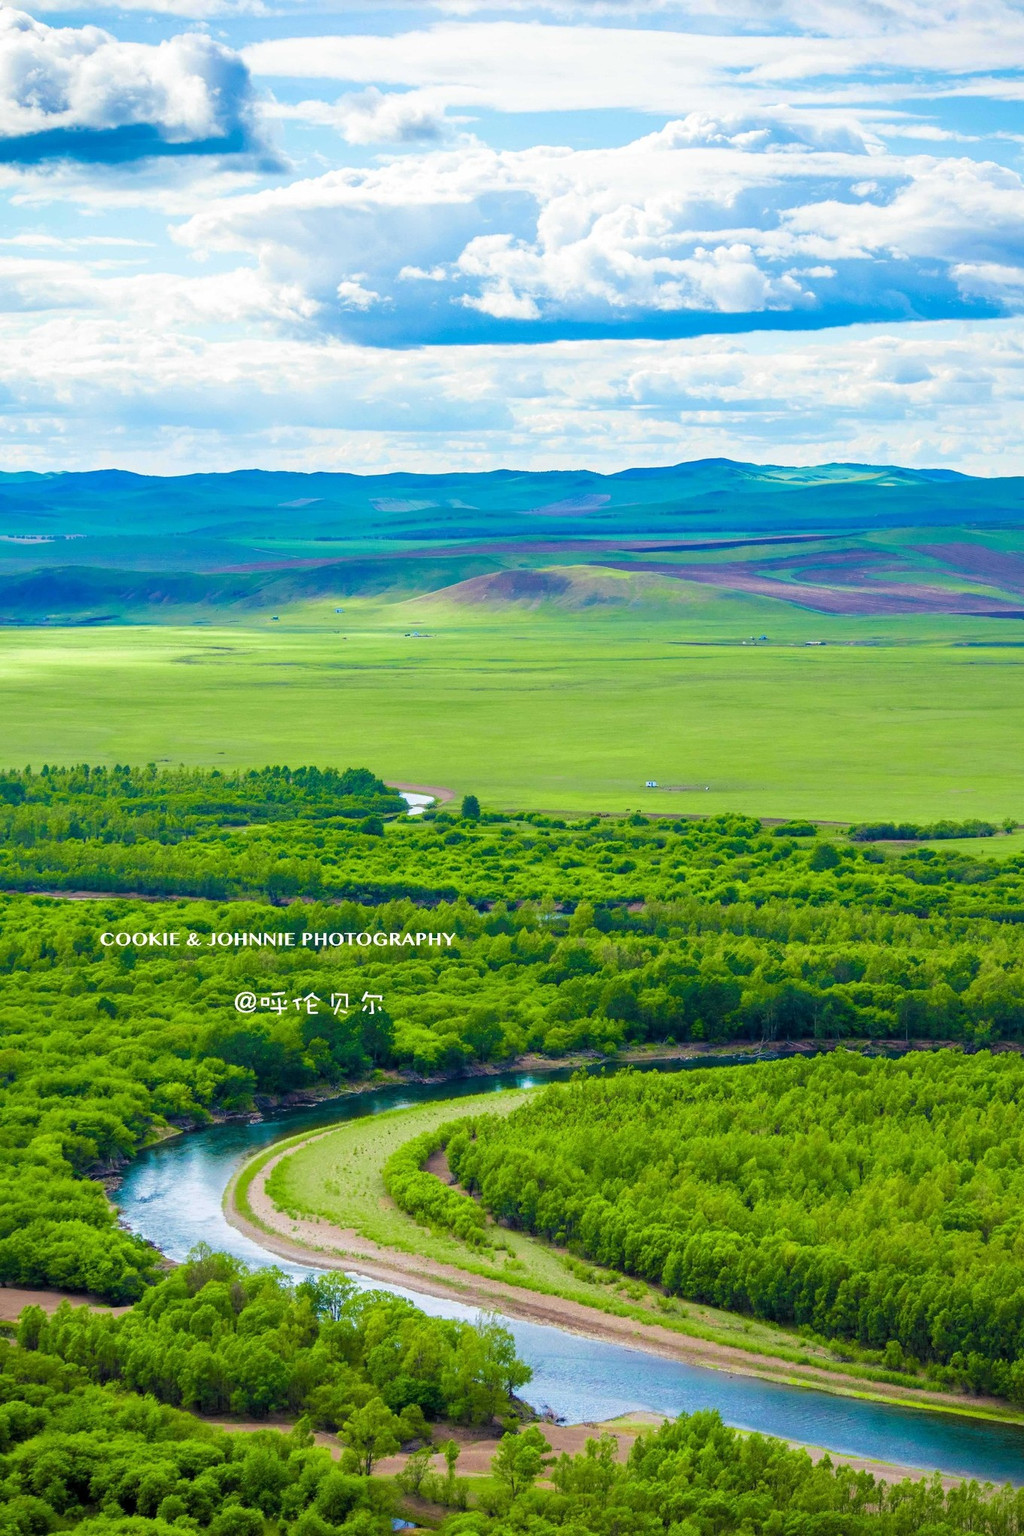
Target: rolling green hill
{"x": 110, "y": 546}
{"x": 840, "y": 641}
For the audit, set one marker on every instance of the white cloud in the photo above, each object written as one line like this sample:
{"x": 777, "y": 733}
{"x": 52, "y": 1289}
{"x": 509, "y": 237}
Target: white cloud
{"x": 393, "y": 117}
{"x": 950, "y": 210}
{"x": 70, "y": 82}
{"x": 772, "y": 189}
{"x": 240, "y": 297}
{"x": 191, "y": 10}
{"x": 615, "y": 268}
{"x": 169, "y": 188}
{"x": 84, "y": 390}
{"x": 775, "y": 130}
{"x": 991, "y": 280}
{"x": 827, "y": 18}
{"x": 519, "y": 66}
{"x": 420, "y": 274}
{"x": 375, "y": 117}
{"x": 353, "y": 295}
{"x": 687, "y": 219}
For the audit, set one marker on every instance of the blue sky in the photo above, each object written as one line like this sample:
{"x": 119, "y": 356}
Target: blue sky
{"x": 467, "y": 234}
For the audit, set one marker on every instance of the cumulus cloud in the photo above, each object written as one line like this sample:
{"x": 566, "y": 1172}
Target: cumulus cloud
{"x": 711, "y": 287}
{"x": 376, "y": 117}
{"x": 780, "y": 129}
{"x": 80, "y": 94}
{"x": 707, "y": 217}
{"x": 952, "y": 210}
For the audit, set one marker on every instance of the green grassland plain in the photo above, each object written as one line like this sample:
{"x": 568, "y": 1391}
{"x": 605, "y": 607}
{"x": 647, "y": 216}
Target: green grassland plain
{"x": 537, "y": 707}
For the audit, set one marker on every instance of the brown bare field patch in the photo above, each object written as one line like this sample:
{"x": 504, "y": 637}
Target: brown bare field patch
{"x": 1002, "y": 569}
{"x": 523, "y": 586}
{"x": 882, "y": 598}
{"x": 477, "y": 1448}
{"x": 14, "y": 1299}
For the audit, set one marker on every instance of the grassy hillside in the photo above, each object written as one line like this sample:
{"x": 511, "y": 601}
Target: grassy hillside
{"x": 836, "y": 539}
{"x": 840, "y": 642}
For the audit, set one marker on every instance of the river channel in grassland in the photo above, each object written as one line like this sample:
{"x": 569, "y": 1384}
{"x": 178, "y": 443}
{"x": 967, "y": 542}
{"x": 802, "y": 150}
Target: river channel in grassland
{"x": 173, "y": 1195}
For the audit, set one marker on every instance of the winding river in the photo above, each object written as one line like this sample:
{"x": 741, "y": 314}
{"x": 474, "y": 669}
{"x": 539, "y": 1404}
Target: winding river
{"x": 173, "y": 1195}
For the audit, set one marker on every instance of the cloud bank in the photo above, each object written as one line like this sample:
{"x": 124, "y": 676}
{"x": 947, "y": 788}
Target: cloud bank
{"x": 80, "y": 94}
{"x": 708, "y": 218}
{"x": 553, "y": 232}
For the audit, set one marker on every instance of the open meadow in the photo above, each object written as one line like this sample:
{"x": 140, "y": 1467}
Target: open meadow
{"x": 906, "y": 716}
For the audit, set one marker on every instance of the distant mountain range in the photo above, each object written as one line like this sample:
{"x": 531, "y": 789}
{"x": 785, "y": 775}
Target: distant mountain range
{"x": 109, "y": 544}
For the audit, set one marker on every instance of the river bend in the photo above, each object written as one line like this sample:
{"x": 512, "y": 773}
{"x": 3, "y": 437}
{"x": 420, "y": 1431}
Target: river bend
{"x": 173, "y": 1196}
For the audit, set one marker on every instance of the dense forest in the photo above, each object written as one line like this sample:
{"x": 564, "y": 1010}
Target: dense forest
{"x": 128, "y": 805}
{"x": 213, "y": 1337}
{"x": 76, "y": 1455}
{"x": 278, "y": 833}
{"x": 758, "y": 935}
{"x": 872, "y": 1200}
{"x": 90, "y": 1437}
{"x": 366, "y": 941}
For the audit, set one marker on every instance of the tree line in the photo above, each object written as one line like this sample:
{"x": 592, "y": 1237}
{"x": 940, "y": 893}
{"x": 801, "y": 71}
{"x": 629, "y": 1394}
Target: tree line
{"x": 871, "y": 1200}
{"x": 215, "y": 1337}
{"x": 97, "y": 1460}
{"x": 104, "y": 1047}
{"x": 163, "y": 806}
{"x": 938, "y": 831}
{"x": 696, "y": 1477}
{"x": 93, "y": 1437}
{"x": 272, "y": 840}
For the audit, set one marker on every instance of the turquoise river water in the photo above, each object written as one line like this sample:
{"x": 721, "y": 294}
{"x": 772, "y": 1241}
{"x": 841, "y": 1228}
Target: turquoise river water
{"x": 173, "y": 1195}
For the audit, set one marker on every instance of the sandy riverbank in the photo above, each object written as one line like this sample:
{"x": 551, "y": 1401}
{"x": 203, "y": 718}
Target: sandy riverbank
{"x": 313, "y": 1239}
{"x": 440, "y": 794}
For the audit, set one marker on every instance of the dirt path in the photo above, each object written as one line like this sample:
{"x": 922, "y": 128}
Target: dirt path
{"x": 302, "y": 1239}
{"x": 439, "y": 795}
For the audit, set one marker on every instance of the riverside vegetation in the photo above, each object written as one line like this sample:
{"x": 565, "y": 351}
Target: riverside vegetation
{"x": 91, "y": 1437}
{"x": 100, "y": 1462}
{"x": 746, "y": 935}
{"x": 872, "y": 1201}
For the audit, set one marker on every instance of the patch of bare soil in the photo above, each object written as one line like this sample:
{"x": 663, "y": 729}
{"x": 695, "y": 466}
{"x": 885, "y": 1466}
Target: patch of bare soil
{"x": 1001, "y": 567}
{"x": 877, "y": 599}
{"x": 437, "y": 1164}
{"x": 84, "y": 895}
{"x": 438, "y": 793}
{"x": 13, "y": 1301}
{"x": 477, "y": 1447}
